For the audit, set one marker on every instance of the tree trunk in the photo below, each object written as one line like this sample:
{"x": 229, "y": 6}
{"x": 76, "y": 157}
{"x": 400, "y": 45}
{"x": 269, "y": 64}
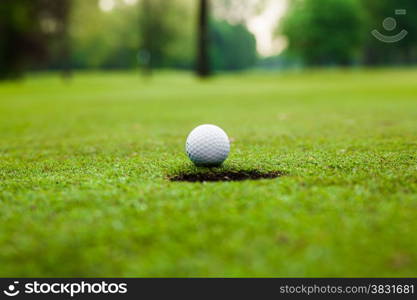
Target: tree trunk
{"x": 203, "y": 61}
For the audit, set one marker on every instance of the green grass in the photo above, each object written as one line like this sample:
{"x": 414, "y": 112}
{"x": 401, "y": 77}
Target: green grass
{"x": 84, "y": 167}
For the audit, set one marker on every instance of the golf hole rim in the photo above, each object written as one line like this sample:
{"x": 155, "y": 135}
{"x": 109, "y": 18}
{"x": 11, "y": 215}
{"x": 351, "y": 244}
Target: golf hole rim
{"x": 225, "y": 175}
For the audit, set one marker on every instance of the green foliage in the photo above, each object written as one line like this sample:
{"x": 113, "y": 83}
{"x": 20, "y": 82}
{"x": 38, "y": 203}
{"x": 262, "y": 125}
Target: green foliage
{"x": 402, "y": 52}
{"x": 104, "y": 40}
{"x": 325, "y": 31}
{"x": 233, "y": 47}
{"x": 24, "y": 38}
{"x": 84, "y": 167}
{"x": 169, "y": 28}
{"x": 114, "y": 39}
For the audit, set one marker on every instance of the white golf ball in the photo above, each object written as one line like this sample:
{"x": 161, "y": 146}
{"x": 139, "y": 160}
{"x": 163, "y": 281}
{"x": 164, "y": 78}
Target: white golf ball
{"x": 207, "y": 145}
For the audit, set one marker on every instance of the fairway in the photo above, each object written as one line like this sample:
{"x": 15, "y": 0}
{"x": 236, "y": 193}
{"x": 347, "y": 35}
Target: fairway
{"x": 85, "y": 168}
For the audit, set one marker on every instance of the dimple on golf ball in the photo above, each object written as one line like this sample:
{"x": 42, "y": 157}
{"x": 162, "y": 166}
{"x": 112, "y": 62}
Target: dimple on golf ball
{"x": 207, "y": 145}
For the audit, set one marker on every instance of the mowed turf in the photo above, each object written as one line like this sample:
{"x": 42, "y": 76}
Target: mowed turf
{"x": 84, "y": 168}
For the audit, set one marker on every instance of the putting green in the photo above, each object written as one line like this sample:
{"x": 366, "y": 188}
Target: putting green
{"x": 84, "y": 168}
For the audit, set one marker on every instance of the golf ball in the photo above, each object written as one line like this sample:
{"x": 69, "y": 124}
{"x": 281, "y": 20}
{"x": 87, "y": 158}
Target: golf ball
{"x": 207, "y": 145}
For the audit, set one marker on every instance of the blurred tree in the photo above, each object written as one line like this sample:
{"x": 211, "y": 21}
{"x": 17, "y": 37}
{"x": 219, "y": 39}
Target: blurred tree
{"x": 55, "y": 23}
{"x": 101, "y": 39}
{"x": 157, "y": 32}
{"x": 145, "y": 27}
{"x": 325, "y": 32}
{"x": 26, "y": 28}
{"x": 233, "y": 47}
{"x": 401, "y": 52}
{"x": 19, "y": 37}
{"x": 152, "y": 33}
{"x": 203, "y": 59}
{"x": 238, "y": 11}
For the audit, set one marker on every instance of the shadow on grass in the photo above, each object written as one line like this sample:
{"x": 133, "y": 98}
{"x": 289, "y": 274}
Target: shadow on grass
{"x": 213, "y": 175}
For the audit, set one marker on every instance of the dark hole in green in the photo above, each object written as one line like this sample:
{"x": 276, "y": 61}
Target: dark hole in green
{"x": 230, "y": 175}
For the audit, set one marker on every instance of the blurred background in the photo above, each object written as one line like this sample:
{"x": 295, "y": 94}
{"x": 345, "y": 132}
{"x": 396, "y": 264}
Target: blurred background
{"x": 205, "y": 36}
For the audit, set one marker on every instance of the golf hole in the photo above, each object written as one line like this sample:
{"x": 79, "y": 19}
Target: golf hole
{"x": 235, "y": 175}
